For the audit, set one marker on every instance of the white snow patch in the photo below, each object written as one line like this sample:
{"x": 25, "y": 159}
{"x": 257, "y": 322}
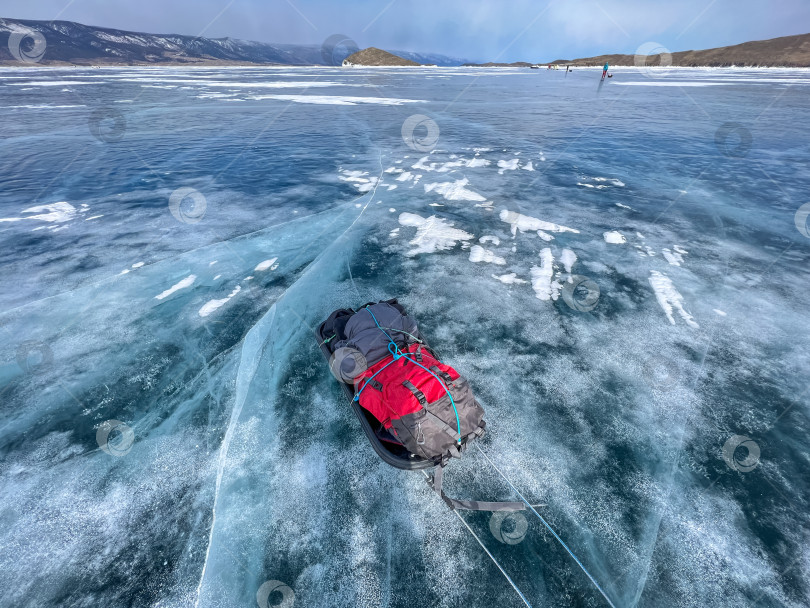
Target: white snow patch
{"x": 544, "y": 288}
{"x": 267, "y": 264}
{"x": 490, "y": 239}
{"x": 479, "y": 254}
{"x": 509, "y": 279}
{"x": 568, "y": 259}
{"x": 669, "y": 298}
{"x": 372, "y": 181}
{"x": 455, "y": 191}
{"x": 615, "y": 237}
{"x": 43, "y": 106}
{"x": 213, "y": 305}
{"x": 56, "y": 213}
{"x": 528, "y": 166}
{"x": 676, "y": 83}
{"x": 432, "y": 233}
{"x": 673, "y": 257}
{"x": 507, "y": 165}
{"x": 719, "y": 312}
{"x": 337, "y": 100}
{"x": 611, "y": 180}
{"x": 449, "y": 166}
{"x": 353, "y": 176}
{"x": 420, "y": 164}
{"x": 187, "y": 282}
{"x": 525, "y": 223}
{"x": 47, "y": 83}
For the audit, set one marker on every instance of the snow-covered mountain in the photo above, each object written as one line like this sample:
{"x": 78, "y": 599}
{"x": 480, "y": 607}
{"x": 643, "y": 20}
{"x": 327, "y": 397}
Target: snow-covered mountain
{"x": 67, "y": 42}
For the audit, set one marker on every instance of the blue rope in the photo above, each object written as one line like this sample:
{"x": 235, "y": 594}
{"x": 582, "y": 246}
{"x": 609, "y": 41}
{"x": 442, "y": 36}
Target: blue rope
{"x": 549, "y": 528}
{"x": 397, "y": 354}
{"x": 366, "y": 383}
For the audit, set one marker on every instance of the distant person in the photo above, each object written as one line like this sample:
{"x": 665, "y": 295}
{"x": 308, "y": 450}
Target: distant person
{"x": 604, "y": 70}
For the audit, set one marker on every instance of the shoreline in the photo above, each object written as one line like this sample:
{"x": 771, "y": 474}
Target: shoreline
{"x": 258, "y": 66}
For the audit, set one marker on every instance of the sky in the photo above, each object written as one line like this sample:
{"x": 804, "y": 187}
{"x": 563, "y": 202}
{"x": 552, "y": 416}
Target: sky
{"x": 493, "y": 30}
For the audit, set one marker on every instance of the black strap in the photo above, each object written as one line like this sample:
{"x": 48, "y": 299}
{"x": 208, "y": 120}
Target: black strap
{"x": 470, "y": 505}
{"x": 419, "y": 353}
{"x": 420, "y": 396}
{"x": 447, "y": 379}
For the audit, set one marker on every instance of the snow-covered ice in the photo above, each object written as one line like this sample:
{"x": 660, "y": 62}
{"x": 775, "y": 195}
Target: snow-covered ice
{"x": 235, "y": 459}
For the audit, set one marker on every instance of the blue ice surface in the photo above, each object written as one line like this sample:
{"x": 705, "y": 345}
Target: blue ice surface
{"x": 193, "y": 450}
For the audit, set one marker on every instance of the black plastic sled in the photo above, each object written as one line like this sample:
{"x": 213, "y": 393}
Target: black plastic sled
{"x": 388, "y": 447}
{"x": 384, "y": 443}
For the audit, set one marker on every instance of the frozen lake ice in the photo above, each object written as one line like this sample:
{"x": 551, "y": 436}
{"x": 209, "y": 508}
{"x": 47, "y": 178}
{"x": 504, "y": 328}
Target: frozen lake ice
{"x": 620, "y": 269}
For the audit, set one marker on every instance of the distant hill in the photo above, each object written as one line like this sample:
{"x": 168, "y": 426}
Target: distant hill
{"x": 377, "y": 57}
{"x": 70, "y": 43}
{"x": 788, "y": 51}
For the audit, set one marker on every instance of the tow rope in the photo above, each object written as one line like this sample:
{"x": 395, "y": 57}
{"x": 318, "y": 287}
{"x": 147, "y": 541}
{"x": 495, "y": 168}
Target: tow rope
{"x": 549, "y": 528}
{"x": 473, "y": 505}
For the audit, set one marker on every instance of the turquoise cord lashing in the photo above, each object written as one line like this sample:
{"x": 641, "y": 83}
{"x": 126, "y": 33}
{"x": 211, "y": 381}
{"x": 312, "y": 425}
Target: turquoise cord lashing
{"x": 398, "y": 354}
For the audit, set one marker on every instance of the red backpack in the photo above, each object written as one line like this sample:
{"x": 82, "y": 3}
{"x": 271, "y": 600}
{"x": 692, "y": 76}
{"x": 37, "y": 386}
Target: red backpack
{"x": 423, "y": 402}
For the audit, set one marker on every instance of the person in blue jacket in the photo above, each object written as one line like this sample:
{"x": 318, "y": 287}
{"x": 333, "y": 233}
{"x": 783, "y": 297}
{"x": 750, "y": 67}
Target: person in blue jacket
{"x": 604, "y": 70}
